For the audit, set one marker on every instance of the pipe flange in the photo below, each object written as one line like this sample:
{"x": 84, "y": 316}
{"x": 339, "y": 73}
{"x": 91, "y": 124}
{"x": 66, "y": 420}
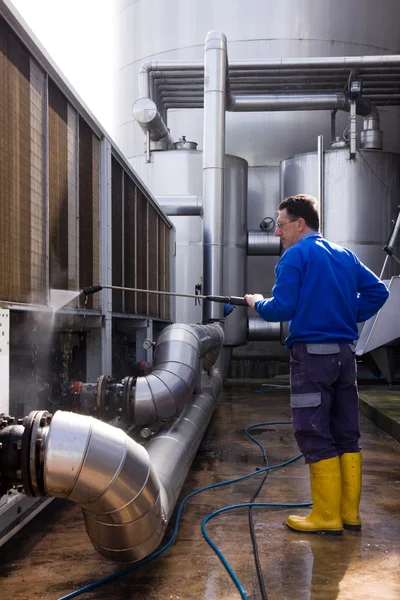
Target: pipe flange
{"x": 32, "y": 452}
{"x": 125, "y": 396}
{"x": 127, "y": 405}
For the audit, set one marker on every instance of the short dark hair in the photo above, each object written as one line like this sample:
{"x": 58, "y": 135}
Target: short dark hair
{"x": 302, "y": 206}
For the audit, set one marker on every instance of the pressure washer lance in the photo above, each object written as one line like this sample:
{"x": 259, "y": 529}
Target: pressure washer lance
{"x": 235, "y": 300}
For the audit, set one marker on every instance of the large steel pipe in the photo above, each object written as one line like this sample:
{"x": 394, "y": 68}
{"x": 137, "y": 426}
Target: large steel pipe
{"x": 162, "y": 394}
{"x": 215, "y": 72}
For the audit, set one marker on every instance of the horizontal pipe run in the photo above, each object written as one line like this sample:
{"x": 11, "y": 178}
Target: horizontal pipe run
{"x": 179, "y": 206}
{"x": 259, "y": 330}
{"x": 145, "y": 112}
{"x": 263, "y": 243}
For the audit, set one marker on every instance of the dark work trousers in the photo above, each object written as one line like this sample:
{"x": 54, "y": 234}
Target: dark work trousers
{"x": 324, "y": 399}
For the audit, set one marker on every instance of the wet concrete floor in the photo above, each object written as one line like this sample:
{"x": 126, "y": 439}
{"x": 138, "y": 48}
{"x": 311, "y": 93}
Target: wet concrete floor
{"x": 52, "y": 556}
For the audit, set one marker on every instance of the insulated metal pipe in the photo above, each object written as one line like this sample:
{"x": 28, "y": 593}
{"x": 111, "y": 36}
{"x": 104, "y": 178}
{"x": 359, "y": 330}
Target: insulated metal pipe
{"x": 161, "y": 395}
{"x": 187, "y": 206}
{"x": 215, "y": 73}
{"x": 263, "y": 243}
{"x": 320, "y": 153}
{"x": 371, "y": 137}
{"x": 259, "y": 330}
{"x": 146, "y": 114}
{"x": 127, "y": 492}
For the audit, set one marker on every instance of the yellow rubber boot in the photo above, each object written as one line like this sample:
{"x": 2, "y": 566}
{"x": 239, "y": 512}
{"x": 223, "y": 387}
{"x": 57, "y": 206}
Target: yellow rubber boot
{"x": 350, "y": 467}
{"x": 325, "y": 516}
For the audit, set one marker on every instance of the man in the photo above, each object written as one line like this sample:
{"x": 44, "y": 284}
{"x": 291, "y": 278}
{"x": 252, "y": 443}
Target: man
{"x": 323, "y": 290}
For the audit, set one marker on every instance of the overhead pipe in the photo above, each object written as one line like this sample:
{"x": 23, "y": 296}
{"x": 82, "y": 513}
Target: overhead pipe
{"x": 181, "y": 206}
{"x": 145, "y": 112}
{"x": 215, "y": 75}
{"x": 371, "y": 137}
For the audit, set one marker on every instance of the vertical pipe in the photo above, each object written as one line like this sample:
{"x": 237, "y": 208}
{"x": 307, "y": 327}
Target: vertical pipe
{"x": 215, "y": 71}
{"x": 353, "y": 129}
{"x": 321, "y": 181}
{"x": 333, "y": 125}
{"x": 148, "y": 146}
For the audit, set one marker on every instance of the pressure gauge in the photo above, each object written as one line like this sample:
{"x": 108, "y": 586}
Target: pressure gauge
{"x": 147, "y": 344}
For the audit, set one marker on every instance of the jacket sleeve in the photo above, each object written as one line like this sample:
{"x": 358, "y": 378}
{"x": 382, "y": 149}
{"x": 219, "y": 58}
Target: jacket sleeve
{"x": 372, "y": 294}
{"x": 285, "y": 294}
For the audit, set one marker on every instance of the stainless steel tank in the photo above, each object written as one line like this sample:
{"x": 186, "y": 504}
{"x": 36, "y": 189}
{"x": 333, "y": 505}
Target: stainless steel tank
{"x": 179, "y": 173}
{"x": 176, "y": 30}
{"x": 361, "y": 199}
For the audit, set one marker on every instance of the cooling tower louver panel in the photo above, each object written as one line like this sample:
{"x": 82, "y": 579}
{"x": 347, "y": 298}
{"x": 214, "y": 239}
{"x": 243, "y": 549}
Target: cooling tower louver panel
{"x": 141, "y": 251}
{"x": 153, "y": 260}
{"x": 89, "y": 192}
{"x": 22, "y": 198}
{"x": 39, "y": 210}
{"x": 58, "y": 188}
{"x": 117, "y": 237}
{"x": 129, "y": 242}
{"x": 73, "y": 247}
{"x": 163, "y": 262}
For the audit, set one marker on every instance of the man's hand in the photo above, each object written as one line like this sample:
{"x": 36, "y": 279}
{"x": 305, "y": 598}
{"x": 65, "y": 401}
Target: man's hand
{"x": 251, "y": 298}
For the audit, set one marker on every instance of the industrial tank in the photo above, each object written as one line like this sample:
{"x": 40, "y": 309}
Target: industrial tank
{"x": 157, "y": 30}
{"x": 178, "y": 173}
{"x": 176, "y": 30}
{"x": 360, "y": 198}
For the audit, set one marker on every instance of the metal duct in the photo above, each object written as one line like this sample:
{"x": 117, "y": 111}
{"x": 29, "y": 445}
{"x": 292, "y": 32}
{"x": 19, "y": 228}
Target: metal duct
{"x": 263, "y": 243}
{"x": 127, "y": 493}
{"x": 181, "y": 206}
{"x": 161, "y": 395}
{"x": 146, "y": 114}
{"x": 215, "y": 73}
{"x": 181, "y": 440}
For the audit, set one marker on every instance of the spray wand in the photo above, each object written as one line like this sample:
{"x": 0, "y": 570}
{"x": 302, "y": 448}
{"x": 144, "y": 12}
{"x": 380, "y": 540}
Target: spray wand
{"x": 234, "y": 300}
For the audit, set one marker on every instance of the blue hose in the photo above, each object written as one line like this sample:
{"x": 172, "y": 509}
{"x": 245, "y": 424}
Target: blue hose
{"x": 157, "y": 553}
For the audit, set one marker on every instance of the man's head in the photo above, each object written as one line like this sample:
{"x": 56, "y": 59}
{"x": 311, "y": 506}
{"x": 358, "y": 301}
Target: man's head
{"x": 297, "y": 216}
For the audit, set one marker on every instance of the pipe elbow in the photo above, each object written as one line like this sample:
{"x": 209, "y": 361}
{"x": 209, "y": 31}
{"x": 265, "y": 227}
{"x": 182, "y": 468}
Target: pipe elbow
{"x": 121, "y": 504}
